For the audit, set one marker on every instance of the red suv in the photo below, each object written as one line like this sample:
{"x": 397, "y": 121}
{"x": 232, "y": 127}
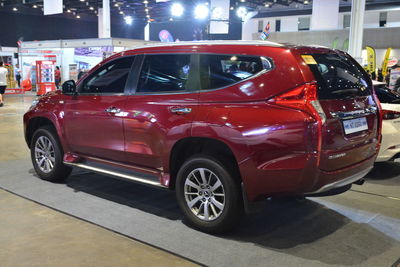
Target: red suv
{"x": 224, "y": 124}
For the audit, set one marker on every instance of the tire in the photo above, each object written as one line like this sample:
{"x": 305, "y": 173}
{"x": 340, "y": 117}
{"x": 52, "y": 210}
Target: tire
{"x": 222, "y": 200}
{"x": 47, "y": 155}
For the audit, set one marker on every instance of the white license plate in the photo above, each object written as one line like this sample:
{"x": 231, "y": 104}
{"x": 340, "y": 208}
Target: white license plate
{"x": 355, "y": 125}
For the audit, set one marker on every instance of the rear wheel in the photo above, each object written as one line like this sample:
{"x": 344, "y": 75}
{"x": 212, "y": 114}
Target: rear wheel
{"x": 208, "y": 195}
{"x": 47, "y": 155}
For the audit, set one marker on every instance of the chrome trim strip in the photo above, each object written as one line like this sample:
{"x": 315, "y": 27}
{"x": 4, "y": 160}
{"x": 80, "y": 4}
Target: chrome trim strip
{"x": 131, "y": 167}
{"x": 354, "y": 114}
{"x": 343, "y": 182}
{"x": 117, "y": 174}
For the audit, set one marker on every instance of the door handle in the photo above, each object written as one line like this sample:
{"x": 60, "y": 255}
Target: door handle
{"x": 181, "y": 110}
{"x": 112, "y": 110}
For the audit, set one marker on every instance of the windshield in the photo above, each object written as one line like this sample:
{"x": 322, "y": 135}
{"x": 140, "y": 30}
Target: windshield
{"x": 338, "y": 76}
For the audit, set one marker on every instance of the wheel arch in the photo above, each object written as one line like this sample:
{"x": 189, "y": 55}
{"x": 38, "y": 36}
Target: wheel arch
{"x": 36, "y": 123}
{"x": 187, "y": 147}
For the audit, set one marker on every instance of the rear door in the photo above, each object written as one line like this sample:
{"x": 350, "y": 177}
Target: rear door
{"x": 161, "y": 109}
{"x": 350, "y": 133}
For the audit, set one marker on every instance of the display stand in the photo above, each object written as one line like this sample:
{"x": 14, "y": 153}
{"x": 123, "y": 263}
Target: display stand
{"x": 45, "y": 79}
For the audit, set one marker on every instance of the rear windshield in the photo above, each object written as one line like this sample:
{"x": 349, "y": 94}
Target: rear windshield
{"x": 338, "y": 76}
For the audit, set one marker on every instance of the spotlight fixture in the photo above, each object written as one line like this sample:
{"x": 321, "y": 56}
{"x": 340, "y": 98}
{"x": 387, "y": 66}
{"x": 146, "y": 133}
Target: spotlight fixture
{"x": 201, "y": 11}
{"x": 241, "y": 12}
{"x": 128, "y": 20}
{"x": 176, "y": 10}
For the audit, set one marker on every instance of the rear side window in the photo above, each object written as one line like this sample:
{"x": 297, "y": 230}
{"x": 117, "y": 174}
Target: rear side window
{"x": 110, "y": 78}
{"x": 218, "y": 71}
{"x": 338, "y": 76}
{"x": 164, "y": 73}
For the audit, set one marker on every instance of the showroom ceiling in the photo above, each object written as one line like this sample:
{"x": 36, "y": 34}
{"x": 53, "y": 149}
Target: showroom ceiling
{"x": 158, "y": 10}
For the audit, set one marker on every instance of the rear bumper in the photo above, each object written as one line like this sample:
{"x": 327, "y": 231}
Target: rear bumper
{"x": 307, "y": 180}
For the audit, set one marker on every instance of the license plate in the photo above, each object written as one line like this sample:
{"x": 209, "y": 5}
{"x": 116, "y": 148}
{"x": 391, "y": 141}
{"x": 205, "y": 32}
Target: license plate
{"x": 355, "y": 125}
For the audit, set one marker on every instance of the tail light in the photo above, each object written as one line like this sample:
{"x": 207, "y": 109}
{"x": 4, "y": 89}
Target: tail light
{"x": 380, "y": 114}
{"x": 304, "y": 98}
{"x": 390, "y": 115}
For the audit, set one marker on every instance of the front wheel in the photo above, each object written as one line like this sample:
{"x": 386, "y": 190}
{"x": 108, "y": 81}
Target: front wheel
{"x": 208, "y": 195}
{"x": 47, "y": 155}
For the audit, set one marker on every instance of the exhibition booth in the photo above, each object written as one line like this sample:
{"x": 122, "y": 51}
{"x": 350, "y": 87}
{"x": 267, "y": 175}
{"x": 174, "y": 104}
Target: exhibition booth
{"x": 39, "y": 59}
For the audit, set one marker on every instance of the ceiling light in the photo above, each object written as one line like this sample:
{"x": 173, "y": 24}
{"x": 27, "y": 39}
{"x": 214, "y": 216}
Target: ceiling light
{"x": 241, "y": 12}
{"x": 121, "y": 12}
{"x": 266, "y": 5}
{"x": 69, "y": 10}
{"x": 34, "y": 6}
{"x": 128, "y": 20}
{"x": 305, "y": 2}
{"x": 91, "y": 8}
{"x": 176, "y": 10}
{"x": 171, "y": 19}
{"x": 116, "y": 5}
{"x": 231, "y": 8}
{"x": 201, "y": 11}
{"x": 78, "y": 17}
{"x": 82, "y": 0}
{"x": 147, "y": 16}
{"x": 145, "y": 2}
{"x": 15, "y": 9}
{"x": 147, "y": 10}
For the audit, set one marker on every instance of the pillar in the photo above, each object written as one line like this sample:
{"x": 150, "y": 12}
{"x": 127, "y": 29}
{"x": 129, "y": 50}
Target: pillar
{"x": 356, "y": 29}
{"x": 104, "y": 22}
{"x": 325, "y": 15}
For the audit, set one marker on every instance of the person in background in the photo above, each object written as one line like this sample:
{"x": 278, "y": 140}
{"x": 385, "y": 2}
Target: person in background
{"x": 380, "y": 75}
{"x": 373, "y": 75}
{"x": 3, "y": 82}
{"x": 17, "y": 72}
{"x": 57, "y": 76}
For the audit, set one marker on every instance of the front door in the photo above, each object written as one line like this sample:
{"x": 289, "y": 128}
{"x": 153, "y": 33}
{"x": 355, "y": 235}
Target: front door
{"x": 93, "y": 119}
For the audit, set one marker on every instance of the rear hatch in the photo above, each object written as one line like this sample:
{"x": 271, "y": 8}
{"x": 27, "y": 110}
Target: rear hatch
{"x": 344, "y": 90}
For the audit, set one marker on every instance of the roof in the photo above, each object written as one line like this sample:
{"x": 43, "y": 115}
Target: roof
{"x": 198, "y": 43}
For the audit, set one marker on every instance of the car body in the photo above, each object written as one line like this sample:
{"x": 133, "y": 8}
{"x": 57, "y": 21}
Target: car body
{"x": 390, "y": 102}
{"x": 265, "y": 115}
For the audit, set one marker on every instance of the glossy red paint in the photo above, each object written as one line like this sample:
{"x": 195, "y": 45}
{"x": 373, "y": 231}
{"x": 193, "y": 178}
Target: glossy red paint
{"x": 279, "y": 150}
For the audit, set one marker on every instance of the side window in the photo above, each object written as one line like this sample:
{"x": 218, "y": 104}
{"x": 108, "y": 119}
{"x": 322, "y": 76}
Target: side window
{"x": 223, "y": 70}
{"x": 165, "y": 73}
{"x": 110, "y": 78}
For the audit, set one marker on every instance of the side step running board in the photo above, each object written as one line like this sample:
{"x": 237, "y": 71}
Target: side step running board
{"x": 135, "y": 178}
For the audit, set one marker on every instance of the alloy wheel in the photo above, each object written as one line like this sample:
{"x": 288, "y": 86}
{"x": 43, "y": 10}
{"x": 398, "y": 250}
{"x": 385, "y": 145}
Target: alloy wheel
{"x": 44, "y": 154}
{"x": 204, "y": 194}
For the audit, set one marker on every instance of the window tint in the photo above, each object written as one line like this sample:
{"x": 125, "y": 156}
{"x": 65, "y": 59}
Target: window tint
{"x": 110, "y": 78}
{"x": 339, "y": 77}
{"x": 164, "y": 73}
{"x": 222, "y": 70}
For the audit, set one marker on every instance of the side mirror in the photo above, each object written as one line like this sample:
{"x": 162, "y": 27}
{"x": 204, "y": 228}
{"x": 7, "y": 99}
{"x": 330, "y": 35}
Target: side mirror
{"x": 69, "y": 88}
